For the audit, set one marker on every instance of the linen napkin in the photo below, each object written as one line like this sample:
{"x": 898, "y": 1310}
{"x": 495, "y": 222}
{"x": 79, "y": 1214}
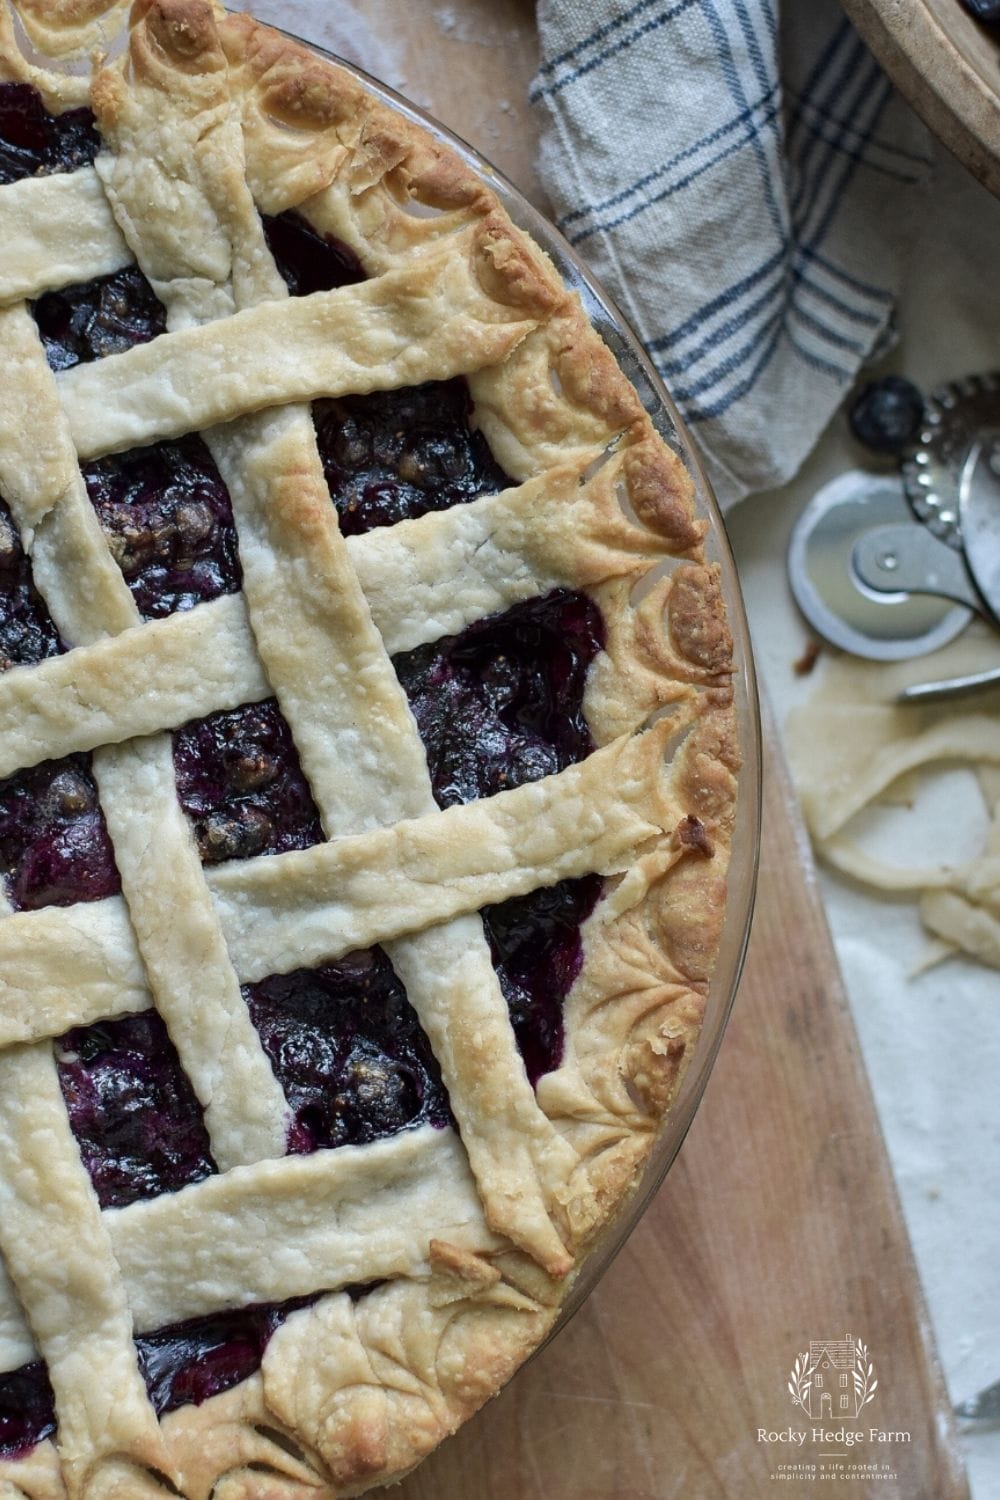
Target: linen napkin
{"x": 744, "y": 180}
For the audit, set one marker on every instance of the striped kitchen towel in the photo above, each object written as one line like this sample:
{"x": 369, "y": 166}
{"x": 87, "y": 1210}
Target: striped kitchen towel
{"x": 745, "y": 183}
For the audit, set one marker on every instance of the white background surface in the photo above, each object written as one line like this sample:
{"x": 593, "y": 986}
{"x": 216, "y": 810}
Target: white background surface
{"x": 931, "y": 1044}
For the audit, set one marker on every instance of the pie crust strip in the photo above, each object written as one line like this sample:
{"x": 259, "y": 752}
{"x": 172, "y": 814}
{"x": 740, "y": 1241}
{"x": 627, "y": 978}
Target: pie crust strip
{"x": 64, "y": 966}
{"x": 56, "y": 231}
{"x": 61, "y": 967}
{"x": 150, "y": 677}
{"x": 422, "y": 579}
{"x": 565, "y": 528}
{"x": 261, "y": 1233}
{"x": 593, "y": 817}
{"x": 427, "y": 321}
{"x": 59, "y": 1256}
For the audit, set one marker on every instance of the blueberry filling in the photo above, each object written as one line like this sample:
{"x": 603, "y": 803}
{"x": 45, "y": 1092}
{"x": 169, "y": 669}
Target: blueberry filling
{"x": 187, "y": 1363}
{"x": 537, "y": 954}
{"x": 496, "y": 706}
{"x": 85, "y": 322}
{"x": 502, "y": 703}
{"x": 308, "y": 260}
{"x": 987, "y": 12}
{"x": 34, "y": 143}
{"x": 169, "y": 524}
{"x": 240, "y": 782}
{"x": 27, "y": 634}
{"x": 182, "y": 1365}
{"x": 27, "y": 1410}
{"x": 390, "y": 455}
{"x": 54, "y": 844}
{"x": 349, "y": 1052}
{"x": 394, "y": 455}
{"x": 132, "y": 1109}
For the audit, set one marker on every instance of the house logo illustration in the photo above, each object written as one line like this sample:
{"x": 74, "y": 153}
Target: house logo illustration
{"x": 833, "y": 1379}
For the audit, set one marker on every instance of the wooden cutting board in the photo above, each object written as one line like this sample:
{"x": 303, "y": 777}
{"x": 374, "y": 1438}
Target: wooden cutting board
{"x": 779, "y": 1223}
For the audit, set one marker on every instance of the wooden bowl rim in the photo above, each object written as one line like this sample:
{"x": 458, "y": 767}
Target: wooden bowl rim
{"x": 953, "y": 96}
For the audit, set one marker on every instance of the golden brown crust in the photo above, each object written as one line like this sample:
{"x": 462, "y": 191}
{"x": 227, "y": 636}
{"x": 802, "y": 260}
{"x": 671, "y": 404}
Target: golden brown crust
{"x": 353, "y": 1393}
{"x": 696, "y": 620}
{"x": 510, "y": 269}
{"x": 661, "y": 492}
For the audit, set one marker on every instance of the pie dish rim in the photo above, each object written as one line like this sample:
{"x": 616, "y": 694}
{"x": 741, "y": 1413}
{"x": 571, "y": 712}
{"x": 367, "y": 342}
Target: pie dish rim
{"x": 740, "y": 884}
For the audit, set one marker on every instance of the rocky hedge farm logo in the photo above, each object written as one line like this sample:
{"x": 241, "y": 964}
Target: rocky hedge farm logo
{"x": 832, "y": 1383}
{"x": 833, "y": 1379}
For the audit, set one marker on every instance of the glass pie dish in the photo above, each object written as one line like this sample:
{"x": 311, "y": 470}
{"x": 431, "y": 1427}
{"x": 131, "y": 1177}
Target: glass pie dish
{"x": 376, "y": 941}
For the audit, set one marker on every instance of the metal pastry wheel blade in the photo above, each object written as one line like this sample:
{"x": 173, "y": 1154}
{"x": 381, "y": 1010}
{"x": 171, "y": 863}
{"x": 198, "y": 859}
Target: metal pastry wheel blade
{"x": 955, "y": 416}
{"x": 979, "y": 514}
{"x": 832, "y": 595}
{"x": 909, "y": 558}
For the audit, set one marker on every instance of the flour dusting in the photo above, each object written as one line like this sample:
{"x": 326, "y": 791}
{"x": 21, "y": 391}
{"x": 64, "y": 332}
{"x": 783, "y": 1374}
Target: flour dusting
{"x": 338, "y": 28}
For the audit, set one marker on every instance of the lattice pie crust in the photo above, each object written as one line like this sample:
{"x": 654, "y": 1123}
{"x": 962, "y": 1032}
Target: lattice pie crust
{"x": 207, "y": 121}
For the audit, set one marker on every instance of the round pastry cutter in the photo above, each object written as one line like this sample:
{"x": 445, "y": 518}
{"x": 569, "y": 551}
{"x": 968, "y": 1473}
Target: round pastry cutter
{"x": 830, "y": 591}
{"x": 872, "y": 581}
{"x": 956, "y": 415}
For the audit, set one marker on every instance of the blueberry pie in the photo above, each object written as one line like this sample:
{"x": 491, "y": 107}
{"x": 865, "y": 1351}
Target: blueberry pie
{"x": 364, "y": 805}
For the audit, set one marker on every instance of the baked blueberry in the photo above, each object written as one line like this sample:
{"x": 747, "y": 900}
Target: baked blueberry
{"x": 886, "y": 415}
{"x": 502, "y": 702}
{"x": 393, "y": 455}
{"x": 309, "y": 261}
{"x": 27, "y": 633}
{"x": 54, "y": 844}
{"x": 537, "y": 953}
{"x": 188, "y": 1362}
{"x": 169, "y": 523}
{"x": 132, "y": 1109}
{"x": 987, "y": 11}
{"x": 95, "y": 318}
{"x": 348, "y": 1050}
{"x": 34, "y": 143}
{"x": 240, "y": 782}
{"x": 27, "y": 1409}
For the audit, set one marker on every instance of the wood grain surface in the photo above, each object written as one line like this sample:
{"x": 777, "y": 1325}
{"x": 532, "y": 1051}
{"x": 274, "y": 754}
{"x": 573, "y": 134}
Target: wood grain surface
{"x": 779, "y": 1222}
{"x": 947, "y": 67}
